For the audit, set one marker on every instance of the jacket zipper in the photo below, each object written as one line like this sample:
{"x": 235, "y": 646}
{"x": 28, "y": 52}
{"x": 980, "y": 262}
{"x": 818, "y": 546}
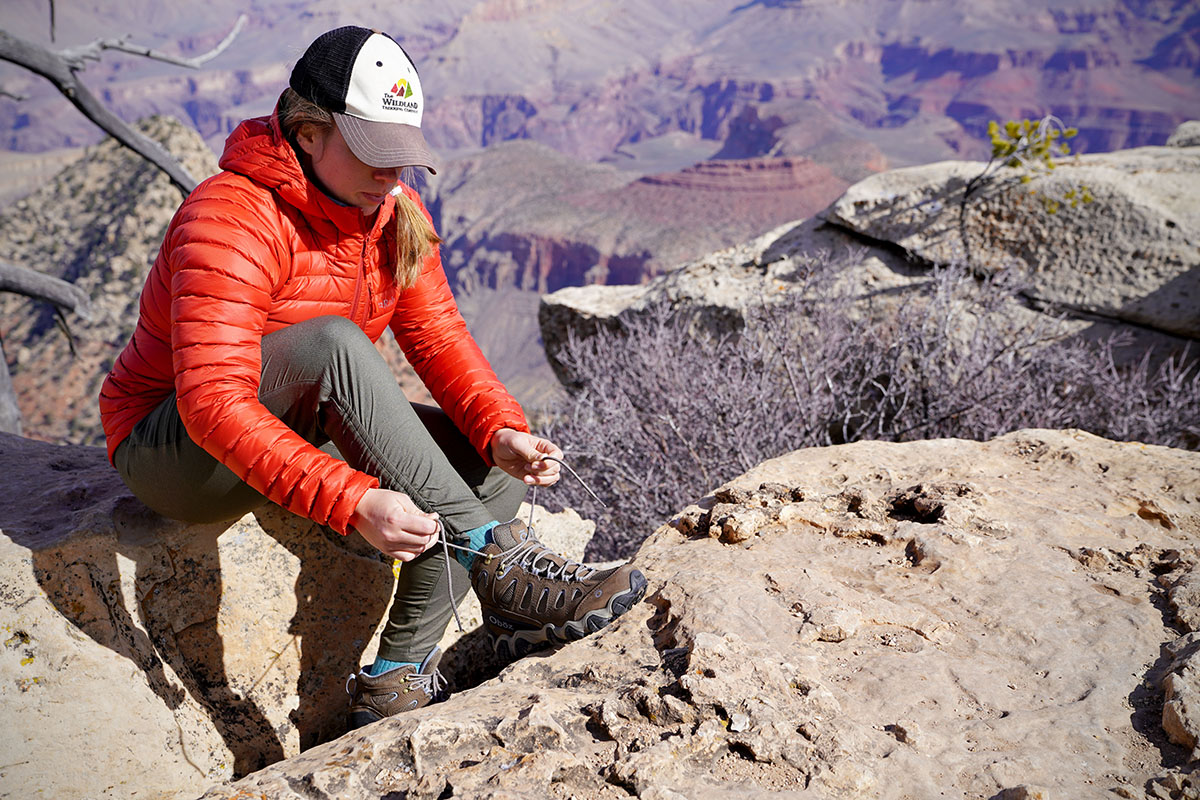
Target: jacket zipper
{"x": 358, "y": 282}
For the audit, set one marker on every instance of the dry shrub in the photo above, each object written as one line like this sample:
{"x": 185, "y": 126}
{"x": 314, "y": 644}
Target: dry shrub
{"x": 666, "y": 411}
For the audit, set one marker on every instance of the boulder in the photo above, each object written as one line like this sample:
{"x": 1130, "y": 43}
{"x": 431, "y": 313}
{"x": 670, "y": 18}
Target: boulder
{"x": 1131, "y": 254}
{"x": 889, "y": 621}
{"x": 145, "y": 657}
{"x": 1186, "y": 135}
{"x": 718, "y": 290}
{"x": 1183, "y": 594}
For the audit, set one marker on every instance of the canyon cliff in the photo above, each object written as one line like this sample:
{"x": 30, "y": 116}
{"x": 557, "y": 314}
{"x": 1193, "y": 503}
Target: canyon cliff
{"x": 844, "y": 84}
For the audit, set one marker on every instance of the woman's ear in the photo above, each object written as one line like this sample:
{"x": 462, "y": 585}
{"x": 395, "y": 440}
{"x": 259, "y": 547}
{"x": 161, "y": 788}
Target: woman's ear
{"x": 311, "y": 139}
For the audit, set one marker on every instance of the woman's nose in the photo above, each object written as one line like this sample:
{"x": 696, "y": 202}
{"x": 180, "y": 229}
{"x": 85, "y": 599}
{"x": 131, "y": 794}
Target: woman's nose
{"x": 388, "y": 175}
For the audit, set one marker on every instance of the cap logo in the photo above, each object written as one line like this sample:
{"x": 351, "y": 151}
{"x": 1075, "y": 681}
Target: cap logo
{"x": 397, "y": 98}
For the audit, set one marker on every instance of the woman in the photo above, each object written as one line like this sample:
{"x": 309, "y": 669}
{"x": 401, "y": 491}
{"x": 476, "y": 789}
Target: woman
{"x": 252, "y": 373}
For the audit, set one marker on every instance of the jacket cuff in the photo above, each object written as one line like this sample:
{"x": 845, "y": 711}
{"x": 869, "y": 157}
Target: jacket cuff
{"x": 343, "y": 508}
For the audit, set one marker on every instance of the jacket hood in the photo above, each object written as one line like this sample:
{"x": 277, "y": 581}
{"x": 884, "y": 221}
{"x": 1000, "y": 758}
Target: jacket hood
{"x": 258, "y": 150}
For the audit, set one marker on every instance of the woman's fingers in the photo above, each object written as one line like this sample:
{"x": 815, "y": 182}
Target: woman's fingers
{"x": 541, "y": 471}
{"x": 523, "y": 456}
{"x": 547, "y": 447}
{"x": 394, "y": 524}
{"x": 410, "y": 548}
{"x": 405, "y": 545}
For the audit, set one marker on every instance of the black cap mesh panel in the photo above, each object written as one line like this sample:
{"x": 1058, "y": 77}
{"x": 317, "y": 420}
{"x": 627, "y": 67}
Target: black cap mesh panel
{"x": 322, "y": 75}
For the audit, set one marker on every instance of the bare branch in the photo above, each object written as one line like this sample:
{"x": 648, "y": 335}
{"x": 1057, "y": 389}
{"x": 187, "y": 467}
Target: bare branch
{"x": 75, "y": 57}
{"x": 55, "y": 69}
{"x": 39, "y": 286}
{"x": 65, "y": 297}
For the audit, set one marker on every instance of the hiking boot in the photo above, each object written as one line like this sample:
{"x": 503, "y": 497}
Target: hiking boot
{"x": 373, "y": 697}
{"x": 532, "y": 598}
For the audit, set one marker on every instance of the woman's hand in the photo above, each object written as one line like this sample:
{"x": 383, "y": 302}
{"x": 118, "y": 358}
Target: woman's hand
{"x": 394, "y": 525}
{"x": 520, "y": 455}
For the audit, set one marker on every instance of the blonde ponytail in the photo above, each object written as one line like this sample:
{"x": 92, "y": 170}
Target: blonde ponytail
{"x": 415, "y": 239}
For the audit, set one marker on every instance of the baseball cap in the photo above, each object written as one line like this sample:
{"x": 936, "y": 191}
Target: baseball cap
{"x": 371, "y": 86}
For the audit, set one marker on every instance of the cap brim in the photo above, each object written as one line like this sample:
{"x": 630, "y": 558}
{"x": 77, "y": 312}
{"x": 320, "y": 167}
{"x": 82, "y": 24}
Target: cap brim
{"x": 386, "y": 144}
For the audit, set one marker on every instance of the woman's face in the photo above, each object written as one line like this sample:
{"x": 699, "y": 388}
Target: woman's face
{"x": 340, "y": 172}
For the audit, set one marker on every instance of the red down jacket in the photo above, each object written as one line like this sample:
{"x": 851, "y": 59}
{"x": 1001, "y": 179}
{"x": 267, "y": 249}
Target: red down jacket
{"x": 252, "y": 250}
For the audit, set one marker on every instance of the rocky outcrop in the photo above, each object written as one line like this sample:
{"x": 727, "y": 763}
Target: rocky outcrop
{"x": 1128, "y": 261}
{"x": 1186, "y": 135}
{"x": 1131, "y": 254}
{"x": 97, "y": 224}
{"x": 868, "y": 620}
{"x": 143, "y": 657}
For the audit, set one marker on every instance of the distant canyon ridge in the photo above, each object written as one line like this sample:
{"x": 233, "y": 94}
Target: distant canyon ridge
{"x": 784, "y": 103}
{"x": 588, "y": 142}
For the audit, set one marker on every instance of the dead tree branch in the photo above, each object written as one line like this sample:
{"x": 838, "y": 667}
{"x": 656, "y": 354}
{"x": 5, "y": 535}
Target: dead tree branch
{"x": 10, "y": 413}
{"x": 61, "y": 68}
{"x": 67, "y": 296}
{"x": 77, "y": 57}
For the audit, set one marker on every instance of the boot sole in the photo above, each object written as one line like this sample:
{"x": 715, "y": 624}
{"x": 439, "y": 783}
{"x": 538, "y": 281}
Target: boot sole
{"x": 519, "y": 644}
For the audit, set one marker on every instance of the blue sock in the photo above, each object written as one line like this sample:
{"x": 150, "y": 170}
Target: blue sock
{"x": 479, "y": 537}
{"x": 382, "y": 665}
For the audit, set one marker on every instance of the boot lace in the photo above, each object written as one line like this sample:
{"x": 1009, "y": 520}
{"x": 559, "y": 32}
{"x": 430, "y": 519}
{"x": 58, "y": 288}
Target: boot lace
{"x": 429, "y": 682}
{"x": 526, "y": 553}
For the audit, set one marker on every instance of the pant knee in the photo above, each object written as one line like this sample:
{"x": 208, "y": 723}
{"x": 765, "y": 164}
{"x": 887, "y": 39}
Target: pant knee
{"x": 329, "y": 336}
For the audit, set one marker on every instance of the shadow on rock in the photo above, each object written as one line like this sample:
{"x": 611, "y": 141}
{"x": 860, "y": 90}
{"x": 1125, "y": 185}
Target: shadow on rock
{"x": 249, "y": 636}
{"x": 471, "y": 661}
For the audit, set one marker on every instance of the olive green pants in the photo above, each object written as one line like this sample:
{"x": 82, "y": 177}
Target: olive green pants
{"x": 327, "y": 382}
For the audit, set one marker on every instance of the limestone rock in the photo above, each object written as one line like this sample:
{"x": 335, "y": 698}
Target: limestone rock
{"x": 718, "y": 290}
{"x": 1023, "y": 793}
{"x": 1131, "y": 254}
{"x": 1181, "y": 693}
{"x": 213, "y": 649}
{"x": 174, "y": 655}
{"x": 1186, "y": 135}
{"x": 1009, "y": 668}
{"x": 1183, "y": 595}
{"x": 1175, "y": 785}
